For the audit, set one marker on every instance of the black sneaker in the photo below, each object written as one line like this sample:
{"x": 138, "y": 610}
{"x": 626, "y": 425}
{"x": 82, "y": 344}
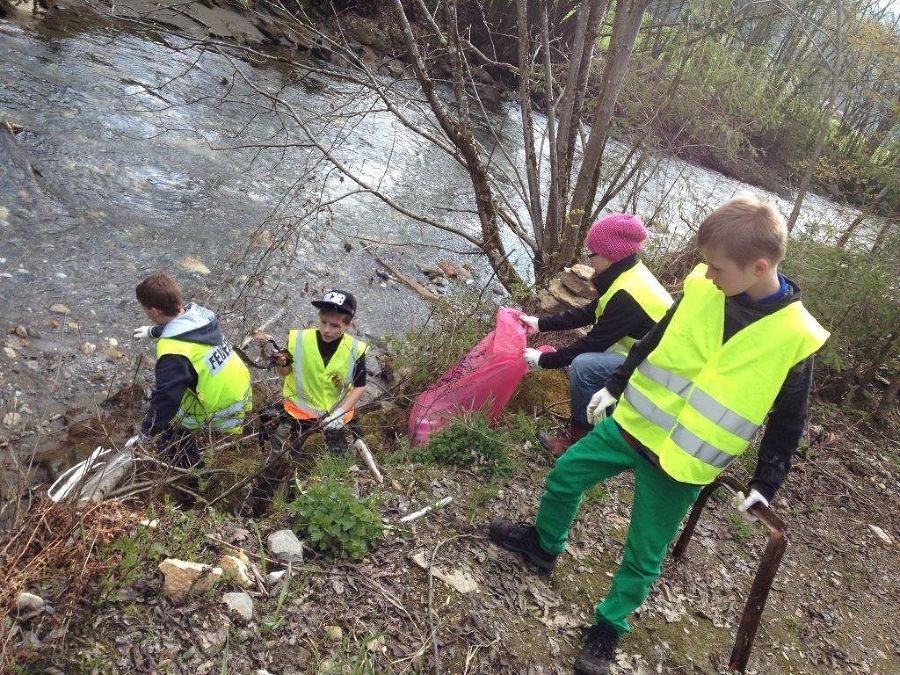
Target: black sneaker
{"x": 522, "y": 538}
{"x": 598, "y": 651}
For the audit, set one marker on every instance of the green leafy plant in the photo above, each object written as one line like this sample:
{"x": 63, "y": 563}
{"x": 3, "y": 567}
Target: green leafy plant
{"x": 740, "y": 528}
{"x": 470, "y": 441}
{"x": 336, "y": 522}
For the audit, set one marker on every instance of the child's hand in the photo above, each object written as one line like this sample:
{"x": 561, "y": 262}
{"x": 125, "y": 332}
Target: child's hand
{"x": 743, "y": 505}
{"x": 142, "y": 333}
{"x": 530, "y": 323}
{"x": 334, "y": 421}
{"x": 532, "y": 358}
{"x": 283, "y": 358}
{"x": 596, "y": 408}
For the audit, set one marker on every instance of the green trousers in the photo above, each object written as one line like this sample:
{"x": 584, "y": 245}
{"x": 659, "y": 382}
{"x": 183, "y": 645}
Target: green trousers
{"x": 660, "y": 504}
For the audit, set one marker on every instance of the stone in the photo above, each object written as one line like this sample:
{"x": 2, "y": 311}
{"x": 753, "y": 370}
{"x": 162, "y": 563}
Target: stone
{"x": 29, "y": 602}
{"x": 239, "y": 604}
{"x": 59, "y": 308}
{"x": 51, "y": 323}
{"x": 21, "y": 331}
{"x": 183, "y": 578}
{"x": 33, "y": 365}
{"x": 235, "y": 570}
{"x": 583, "y": 288}
{"x": 881, "y": 534}
{"x": 71, "y": 325}
{"x": 564, "y": 295}
{"x": 87, "y": 348}
{"x": 12, "y": 419}
{"x": 192, "y": 264}
{"x": 273, "y": 578}
{"x": 285, "y": 546}
{"x": 9, "y": 352}
{"x": 334, "y": 633}
{"x": 586, "y": 272}
{"x": 549, "y": 304}
{"x": 112, "y": 342}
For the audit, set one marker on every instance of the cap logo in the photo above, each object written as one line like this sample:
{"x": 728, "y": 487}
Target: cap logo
{"x": 335, "y": 298}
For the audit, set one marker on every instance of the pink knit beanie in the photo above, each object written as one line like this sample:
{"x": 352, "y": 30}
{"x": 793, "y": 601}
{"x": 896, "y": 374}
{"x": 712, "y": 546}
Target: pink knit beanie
{"x": 616, "y": 236}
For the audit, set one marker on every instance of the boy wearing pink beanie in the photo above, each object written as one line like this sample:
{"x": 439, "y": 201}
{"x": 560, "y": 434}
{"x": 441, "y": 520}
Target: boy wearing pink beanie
{"x": 630, "y": 303}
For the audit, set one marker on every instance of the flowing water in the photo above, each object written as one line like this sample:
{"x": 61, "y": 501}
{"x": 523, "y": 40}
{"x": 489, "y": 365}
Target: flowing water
{"x": 148, "y": 158}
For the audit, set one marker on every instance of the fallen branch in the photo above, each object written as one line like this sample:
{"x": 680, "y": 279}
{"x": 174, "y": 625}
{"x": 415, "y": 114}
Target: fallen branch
{"x": 367, "y": 458}
{"x": 408, "y": 281}
{"x": 439, "y": 504}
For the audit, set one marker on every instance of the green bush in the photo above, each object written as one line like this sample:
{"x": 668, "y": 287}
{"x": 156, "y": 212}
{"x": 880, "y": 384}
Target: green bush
{"x": 470, "y": 442}
{"x": 853, "y": 294}
{"x": 335, "y": 521}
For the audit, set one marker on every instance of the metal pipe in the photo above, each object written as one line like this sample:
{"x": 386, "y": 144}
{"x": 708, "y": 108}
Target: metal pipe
{"x": 765, "y": 572}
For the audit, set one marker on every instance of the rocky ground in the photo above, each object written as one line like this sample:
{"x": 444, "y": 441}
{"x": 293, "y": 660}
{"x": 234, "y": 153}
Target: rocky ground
{"x": 833, "y": 606}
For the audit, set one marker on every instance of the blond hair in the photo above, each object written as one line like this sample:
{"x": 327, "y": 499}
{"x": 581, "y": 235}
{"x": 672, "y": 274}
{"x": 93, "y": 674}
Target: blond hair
{"x": 744, "y": 229}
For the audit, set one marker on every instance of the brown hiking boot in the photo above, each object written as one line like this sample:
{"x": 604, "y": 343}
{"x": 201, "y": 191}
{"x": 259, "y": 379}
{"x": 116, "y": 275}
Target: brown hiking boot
{"x": 557, "y": 445}
{"x": 599, "y": 649}
{"x": 522, "y": 538}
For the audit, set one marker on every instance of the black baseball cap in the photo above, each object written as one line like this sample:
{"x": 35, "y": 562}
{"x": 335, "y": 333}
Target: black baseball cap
{"x": 342, "y": 301}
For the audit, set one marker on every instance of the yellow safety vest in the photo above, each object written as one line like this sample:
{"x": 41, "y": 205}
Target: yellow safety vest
{"x": 647, "y": 292}
{"x": 696, "y": 402}
{"x": 223, "y": 395}
{"x": 315, "y": 389}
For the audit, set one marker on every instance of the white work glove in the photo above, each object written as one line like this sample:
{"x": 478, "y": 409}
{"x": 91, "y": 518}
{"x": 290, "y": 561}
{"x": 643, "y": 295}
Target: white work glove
{"x": 142, "y": 333}
{"x": 334, "y": 421}
{"x": 530, "y": 323}
{"x": 596, "y": 408}
{"x": 532, "y": 358}
{"x": 742, "y": 504}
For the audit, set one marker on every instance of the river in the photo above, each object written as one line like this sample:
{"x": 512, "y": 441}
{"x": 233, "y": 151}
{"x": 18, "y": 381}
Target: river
{"x": 144, "y": 148}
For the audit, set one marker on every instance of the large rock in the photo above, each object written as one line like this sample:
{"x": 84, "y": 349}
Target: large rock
{"x": 580, "y": 286}
{"x": 285, "y": 546}
{"x": 183, "y": 578}
{"x": 549, "y": 304}
{"x": 564, "y": 295}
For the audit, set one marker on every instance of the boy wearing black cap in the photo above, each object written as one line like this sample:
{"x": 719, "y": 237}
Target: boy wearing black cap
{"x": 324, "y": 371}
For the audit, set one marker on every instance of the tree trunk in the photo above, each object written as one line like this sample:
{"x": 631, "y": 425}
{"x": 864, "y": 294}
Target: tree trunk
{"x": 851, "y": 228}
{"x": 826, "y": 118}
{"x": 627, "y": 23}
{"x": 888, "y": 398}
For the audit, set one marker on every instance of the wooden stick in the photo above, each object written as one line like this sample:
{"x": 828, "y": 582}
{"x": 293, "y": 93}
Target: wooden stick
{"x": 366, "y": 455}
{"x": 408, "y": 281}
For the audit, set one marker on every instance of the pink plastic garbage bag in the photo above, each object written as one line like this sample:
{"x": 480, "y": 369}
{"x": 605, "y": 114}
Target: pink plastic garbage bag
{"x": 484, "y": 379}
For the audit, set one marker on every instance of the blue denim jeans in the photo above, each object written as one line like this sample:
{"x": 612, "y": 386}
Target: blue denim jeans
{"x": 587, "y": 375}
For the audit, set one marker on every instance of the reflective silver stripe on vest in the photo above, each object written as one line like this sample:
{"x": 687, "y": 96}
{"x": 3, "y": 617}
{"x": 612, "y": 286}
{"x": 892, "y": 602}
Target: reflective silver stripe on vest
{"x": 226, "y": 418}
{"x": 301, "y": 402}
{"x": 700, "y": 449}
{"x": 686, "y": 440}
{"x": 702, "y": 402}
{"x": 674, "y": 383}
{"x": 726, "y": 418}
{"x": 647, "y": 408}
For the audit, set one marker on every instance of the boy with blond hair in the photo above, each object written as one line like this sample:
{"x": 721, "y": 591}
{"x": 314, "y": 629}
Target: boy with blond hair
{"x": 737, "y": 346}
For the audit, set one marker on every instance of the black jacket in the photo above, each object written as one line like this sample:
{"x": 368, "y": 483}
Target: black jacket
{"x": 788, "y": 415}
{"x": 174, "y": 372}
{"x": 622, "y": 317}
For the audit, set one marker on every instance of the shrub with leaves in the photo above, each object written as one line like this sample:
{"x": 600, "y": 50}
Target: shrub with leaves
{"x": 471, "y": 442}
{"x": 335, "y": 521}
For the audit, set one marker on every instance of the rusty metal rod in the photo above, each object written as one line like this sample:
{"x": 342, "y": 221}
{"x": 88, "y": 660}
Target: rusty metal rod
{"x": 765, "y": 572}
